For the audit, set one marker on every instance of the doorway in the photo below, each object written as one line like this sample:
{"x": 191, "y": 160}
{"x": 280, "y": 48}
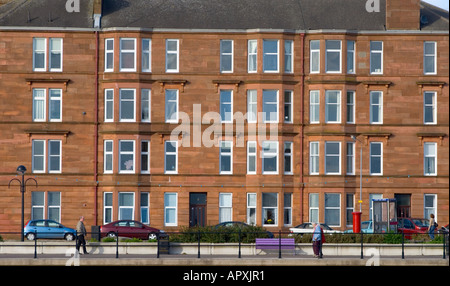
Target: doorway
{"x": 197, "y": 209}
{"x": 403, "y": 205}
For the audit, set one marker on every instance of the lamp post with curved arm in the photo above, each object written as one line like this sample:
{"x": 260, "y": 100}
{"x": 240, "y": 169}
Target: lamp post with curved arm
{"x": 21, "y": 171}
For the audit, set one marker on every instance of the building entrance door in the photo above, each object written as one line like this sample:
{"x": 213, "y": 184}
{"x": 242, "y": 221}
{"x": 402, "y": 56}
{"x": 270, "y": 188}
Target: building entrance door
{"x": 197, "y": 209}
{"x": 403, "y": 205}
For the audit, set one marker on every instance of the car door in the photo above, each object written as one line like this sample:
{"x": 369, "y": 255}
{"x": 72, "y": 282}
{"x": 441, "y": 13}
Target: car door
{"x": 54, "y": 230}
{"x": 40, "y": 228}
{"x": 136, "y": 230}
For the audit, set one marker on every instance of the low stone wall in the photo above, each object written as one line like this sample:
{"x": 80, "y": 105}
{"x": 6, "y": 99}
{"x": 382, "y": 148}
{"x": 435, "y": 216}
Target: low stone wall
{"x": 135, "y": 248}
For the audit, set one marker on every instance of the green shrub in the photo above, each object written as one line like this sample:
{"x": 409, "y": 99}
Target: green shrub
{"x": 219, "y": 235}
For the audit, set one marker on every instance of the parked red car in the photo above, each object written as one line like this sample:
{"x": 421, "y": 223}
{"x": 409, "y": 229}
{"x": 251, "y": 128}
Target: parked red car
{"x": 410, "y": 226}
{"x": 130, "y": 228}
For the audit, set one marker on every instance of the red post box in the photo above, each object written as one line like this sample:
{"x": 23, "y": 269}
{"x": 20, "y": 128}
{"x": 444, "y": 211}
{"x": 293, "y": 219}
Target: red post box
{"x": 356, "y": 222}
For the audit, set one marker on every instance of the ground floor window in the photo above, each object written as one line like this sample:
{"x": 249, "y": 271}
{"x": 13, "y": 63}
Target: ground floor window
{"x": 251, "y": 208}
{"x": 430, "y": 206}
{"x": 126, "y": 206}
{"x": 46, "y": 205}
{"x": 170, "y": 209}
{"x": 270, "y": 208}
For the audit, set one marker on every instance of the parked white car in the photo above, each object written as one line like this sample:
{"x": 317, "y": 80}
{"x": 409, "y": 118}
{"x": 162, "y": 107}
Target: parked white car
{"x": 307, "y": 227}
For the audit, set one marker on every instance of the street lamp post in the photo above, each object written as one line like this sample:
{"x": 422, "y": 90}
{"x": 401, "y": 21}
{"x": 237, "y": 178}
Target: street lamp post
{"x": 357, "y": 216}
{"x": 360, "y": 169}
{"x": 21, "y": 171}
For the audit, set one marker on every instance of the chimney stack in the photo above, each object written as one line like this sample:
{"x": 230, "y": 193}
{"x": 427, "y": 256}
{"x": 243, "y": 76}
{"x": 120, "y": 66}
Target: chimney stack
{"x": 97, "y": 13}
{"x": 402, "y": 14}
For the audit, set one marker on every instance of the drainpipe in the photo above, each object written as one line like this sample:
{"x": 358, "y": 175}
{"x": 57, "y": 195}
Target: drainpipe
{"x": 96, "y": 130}
{"x": 302, "y": 88}
{"x": 97, "y": 15}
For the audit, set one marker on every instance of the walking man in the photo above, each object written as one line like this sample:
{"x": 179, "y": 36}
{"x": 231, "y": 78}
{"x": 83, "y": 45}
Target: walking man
{"x": 81, "y": 233}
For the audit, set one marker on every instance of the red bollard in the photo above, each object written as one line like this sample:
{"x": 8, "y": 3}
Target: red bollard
{"x": 356, "y": 222}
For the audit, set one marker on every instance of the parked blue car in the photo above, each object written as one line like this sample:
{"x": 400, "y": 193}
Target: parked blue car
{"x": 366, "y": 227}
{"x": 44, "y": 228}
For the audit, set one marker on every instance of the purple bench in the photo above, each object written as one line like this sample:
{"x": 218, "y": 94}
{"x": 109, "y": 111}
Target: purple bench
{"x": 275, "y": 243}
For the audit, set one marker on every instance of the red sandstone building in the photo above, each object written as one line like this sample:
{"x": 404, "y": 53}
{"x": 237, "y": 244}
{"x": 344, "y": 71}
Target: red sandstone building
{"x": 182, "y": 113}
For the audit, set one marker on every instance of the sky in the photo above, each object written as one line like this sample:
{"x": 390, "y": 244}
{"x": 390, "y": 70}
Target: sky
{"x": 439, "y": 3}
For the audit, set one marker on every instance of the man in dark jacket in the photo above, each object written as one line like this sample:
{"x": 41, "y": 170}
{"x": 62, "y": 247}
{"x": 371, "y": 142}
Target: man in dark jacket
{"x": 81, "y": 233}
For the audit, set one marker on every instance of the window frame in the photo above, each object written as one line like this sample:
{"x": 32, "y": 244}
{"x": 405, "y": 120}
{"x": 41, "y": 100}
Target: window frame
{"x": 351, "y": 55}
{"x": 328, "y": 208}
{"x": 252, "y": 106}
{"x": 265, "y": 207}
{"x": 337, "y": 105}
{"x": 36, "y": 51}
{"x": 329, "y": 156}
{"x": 34, "y": 156}
{"x": 121, "y": 207}
{"x": 314, "y": 210}
{"x": 108, "y": 155}
{"x": 145, "y": 153}
{"x": 373, "y": 156}
{"x": 128, "y": 153}
{"x": 252, "y": 155}
{"x": 372, "y": 60}
{"x": 288, "y": 157}
{"x": 225, "y": 154}
{"x": 58, "y": 156}
{"x": 264, "y": 106}
{"x": 328, "y": 52}
{"x": 52, "y": 51}
{"x": 426, "y": 56}
{"x": 173, "y": 52}
{"x": 108, "y": 207}
{"x": 252, "y": 56}
{"x": 351, "y": 94}
{"x": 379, "y": 106}
{"x": 426, "y": 156}
{"x": 108, "y": 52}
{"x": 433, "y": 106}
{"x": 314, "y": 107}
{"x": 144, "y": 207}
{"x": 314, "y": 158}
{"x": 123, "y": 51}
{"x": 314, "y": 53}
{"x": 171, "y": 153}
{"x": 266, "y": 154}
{"x": 121, "y": 109}
{"x": 350, "y": 162}
{"x": 43, "y": 101}
{"x": 226, "y": 54}
{"x": 170, "y": 207}
{"x": 225, "y": 205}
{"x": 289, "y": 105}
{"x": 176, "y": 102}
{"x": 146, "y": 54}
{"x": 224, "y": 117}
{"x": 287, "y": 209}
{"x": 109, "y": 104}
{"x": 289, "y": 56}
{"x": 146, "y": 105}
{"x": 252, "y": 207}
{"x": 271, "y": 54}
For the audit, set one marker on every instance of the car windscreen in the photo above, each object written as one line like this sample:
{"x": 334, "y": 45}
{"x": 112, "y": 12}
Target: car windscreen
{"x": 421, "y": 222}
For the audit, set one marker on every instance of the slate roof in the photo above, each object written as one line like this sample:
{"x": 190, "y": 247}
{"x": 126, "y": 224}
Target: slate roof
{"x": 212, "y": 14}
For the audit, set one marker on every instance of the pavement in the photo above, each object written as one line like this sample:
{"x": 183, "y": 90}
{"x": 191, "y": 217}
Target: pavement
{"x": 215, "y": 260}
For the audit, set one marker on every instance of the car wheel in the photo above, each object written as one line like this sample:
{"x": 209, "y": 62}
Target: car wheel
{"x": 31, "y": 236}
{"x": 152, "y": 236}
{"x": 69, "y": 237}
